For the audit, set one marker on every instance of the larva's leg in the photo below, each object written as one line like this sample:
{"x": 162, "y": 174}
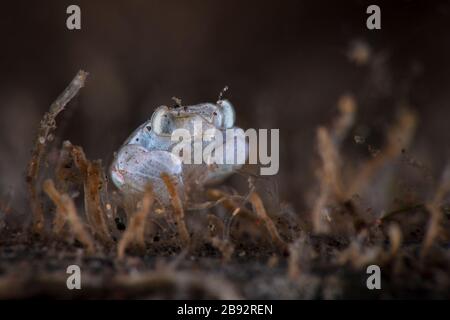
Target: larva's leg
{"x": 234, "y": 154}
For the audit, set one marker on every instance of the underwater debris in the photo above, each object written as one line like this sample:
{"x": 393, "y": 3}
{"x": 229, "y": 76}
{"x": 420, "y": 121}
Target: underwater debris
{"x": 66, "y": 209}
{"x": 136, "y": 227}
{"x": 177, "y": 209}
{"x": 47, "y": 125}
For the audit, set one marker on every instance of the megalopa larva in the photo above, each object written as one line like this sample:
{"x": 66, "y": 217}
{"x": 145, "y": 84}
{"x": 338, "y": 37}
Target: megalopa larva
{"x": 148, "y": 152}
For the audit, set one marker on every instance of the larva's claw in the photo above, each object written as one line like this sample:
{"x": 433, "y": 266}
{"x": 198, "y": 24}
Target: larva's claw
{"x": 135, "y": 168}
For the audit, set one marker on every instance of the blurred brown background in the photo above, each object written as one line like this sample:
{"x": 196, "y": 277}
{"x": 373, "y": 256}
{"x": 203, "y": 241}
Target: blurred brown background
{"x": 286, "y": 64}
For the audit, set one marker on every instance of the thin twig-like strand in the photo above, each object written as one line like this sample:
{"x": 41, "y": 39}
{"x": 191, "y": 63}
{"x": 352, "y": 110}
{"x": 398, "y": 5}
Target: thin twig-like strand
{"x": 48, "y": 124}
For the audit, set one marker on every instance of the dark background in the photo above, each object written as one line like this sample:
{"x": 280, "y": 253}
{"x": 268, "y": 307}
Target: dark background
{"x": 286, "y": 64}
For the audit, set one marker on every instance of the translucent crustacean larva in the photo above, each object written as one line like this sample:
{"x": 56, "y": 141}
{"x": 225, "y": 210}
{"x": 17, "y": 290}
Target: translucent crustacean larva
{"x": 147, "y": 153}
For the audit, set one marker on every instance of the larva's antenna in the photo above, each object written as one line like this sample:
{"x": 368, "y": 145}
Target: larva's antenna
{"x": 222, "y": 92}
{"x": 177, "y": 101}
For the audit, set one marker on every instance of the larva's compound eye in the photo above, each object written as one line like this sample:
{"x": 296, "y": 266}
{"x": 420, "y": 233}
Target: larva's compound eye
{"x": 162, "y": 122}
{"x": 228, "y": 114}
